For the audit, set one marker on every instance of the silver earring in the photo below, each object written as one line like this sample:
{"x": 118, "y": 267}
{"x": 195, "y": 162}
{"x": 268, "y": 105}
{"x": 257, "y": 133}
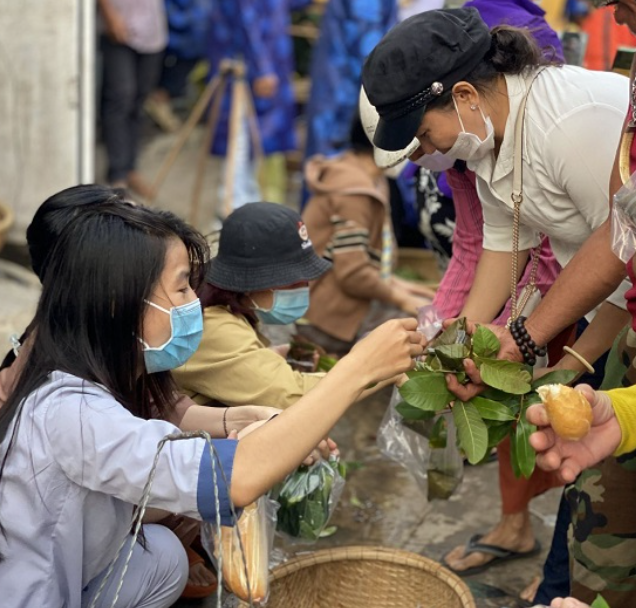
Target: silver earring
{"x": 473, "y": 107}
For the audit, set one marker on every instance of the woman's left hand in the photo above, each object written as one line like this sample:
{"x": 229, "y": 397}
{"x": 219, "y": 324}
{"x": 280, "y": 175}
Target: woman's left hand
{"x": 243, "y": 416}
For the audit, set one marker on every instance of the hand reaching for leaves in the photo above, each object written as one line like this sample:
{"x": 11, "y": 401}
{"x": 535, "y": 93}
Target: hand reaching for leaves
{"x": 386, "y": 352}
{"x": 569, "y": 458}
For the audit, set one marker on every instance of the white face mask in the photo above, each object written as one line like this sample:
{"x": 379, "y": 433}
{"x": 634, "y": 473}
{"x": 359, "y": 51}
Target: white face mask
{"x": 436, "y": 162}
{"x": 468, "y": 146}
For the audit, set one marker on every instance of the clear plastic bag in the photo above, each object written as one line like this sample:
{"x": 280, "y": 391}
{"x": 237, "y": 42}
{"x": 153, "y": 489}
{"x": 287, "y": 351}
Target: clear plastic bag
{"x": 429, "y": 321}
{"x": 307, "y": 499}
{"x": 427, "y": 449}
{"x": 407, "y": 447}
{"x": 255, "y": 527}
{"x": 446, "y": 464}
{"x": 623, "y": 221}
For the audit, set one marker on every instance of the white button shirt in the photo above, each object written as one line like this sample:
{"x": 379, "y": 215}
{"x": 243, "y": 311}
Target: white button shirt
{"x": 574, "y": 120}
{"x": 78, "y": 465}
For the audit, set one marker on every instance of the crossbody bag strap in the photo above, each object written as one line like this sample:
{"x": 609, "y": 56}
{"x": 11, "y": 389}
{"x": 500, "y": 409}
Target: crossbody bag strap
{"x": 517, "y": 199}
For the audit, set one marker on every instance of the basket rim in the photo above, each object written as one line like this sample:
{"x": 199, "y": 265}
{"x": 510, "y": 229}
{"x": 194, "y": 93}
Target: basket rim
{"x": 376, "y": 553}
{"x": 6, "y": 217}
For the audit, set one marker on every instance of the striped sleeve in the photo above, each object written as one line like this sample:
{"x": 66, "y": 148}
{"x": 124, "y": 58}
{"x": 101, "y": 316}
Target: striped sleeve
{"x": 356, "y": 263}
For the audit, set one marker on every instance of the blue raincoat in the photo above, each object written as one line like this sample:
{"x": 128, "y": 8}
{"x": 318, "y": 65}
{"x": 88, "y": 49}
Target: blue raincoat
{"x": 187, "y": 27}
{"x": 349, "y": 32}
{"x": 258, "y": 32}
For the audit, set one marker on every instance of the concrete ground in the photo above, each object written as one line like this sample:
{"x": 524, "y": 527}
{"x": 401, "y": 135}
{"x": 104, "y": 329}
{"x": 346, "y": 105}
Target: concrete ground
{"x": 381, "y": 505}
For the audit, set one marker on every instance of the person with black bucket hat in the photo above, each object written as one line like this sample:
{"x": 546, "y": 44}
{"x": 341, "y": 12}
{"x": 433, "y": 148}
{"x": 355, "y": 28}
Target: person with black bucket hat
{"x": 261, "y": 274}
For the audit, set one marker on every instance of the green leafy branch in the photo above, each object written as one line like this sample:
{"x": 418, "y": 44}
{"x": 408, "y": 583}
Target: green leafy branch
{"x": 483, "y": 421}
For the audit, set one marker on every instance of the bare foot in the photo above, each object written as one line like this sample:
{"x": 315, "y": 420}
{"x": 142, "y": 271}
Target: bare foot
{"x": 531, "y": 590}
{"x": 200, "y": 576}
{"x": 513, "y": 532}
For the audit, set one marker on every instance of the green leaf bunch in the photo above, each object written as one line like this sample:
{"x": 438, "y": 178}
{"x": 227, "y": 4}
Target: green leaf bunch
{"x": 483, "y": 421}
{"x": 305, "y": 500}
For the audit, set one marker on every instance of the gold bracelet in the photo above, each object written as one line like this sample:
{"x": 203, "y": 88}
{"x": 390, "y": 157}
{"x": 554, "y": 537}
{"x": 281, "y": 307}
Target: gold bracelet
{"x": 579, "y": 358}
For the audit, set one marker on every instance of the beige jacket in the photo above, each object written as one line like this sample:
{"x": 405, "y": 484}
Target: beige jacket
{"x": 345, "y": 218}
{"x": 234, "y": 366}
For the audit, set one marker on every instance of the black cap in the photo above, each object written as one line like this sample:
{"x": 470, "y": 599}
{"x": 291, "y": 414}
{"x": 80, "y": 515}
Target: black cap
{"x": 416, "y": 62}
{"x": 264, "y": 246}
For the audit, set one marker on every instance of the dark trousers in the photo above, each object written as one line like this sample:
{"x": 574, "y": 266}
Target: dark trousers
{"x": 556, "y": 570}
{"x": 128, "y": 78}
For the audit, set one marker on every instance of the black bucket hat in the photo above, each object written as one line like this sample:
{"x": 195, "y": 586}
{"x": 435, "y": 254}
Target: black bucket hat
{"x": 416, "y": 62}
{"x": 264, "y": 246}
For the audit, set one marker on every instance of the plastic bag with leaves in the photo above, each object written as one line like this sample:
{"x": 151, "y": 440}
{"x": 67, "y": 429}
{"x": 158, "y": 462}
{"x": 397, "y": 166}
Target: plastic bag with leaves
{"x": 403, "y": 445}
{"x": 307, "y": 499}
{"x": 245, "y": 550}
{"x": 425, "y": 444}
{"x": 446, "y": 464}
{"x": 623, "y": 221}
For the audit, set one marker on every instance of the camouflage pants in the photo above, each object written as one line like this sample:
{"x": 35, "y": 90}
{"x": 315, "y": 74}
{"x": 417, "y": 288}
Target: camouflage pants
{"x": 602, "y": 538}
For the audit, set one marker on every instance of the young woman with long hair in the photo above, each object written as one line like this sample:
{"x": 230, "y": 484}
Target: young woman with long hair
{"x": 79, "y": 431}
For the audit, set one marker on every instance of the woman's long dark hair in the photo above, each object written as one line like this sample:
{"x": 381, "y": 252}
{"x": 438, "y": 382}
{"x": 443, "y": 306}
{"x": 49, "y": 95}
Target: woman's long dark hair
{"x": 52, "y": 216}
{"x": 106, "y": 261}
{"x": 513, "y": 50}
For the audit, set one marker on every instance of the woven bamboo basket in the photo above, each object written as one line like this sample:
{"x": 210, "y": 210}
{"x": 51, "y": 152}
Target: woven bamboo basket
{"x": 366, "y": 577}
{"x": 6, "y": 221}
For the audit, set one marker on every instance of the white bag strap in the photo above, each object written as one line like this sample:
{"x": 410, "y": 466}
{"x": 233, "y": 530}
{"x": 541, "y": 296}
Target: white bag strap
{"x": 517, "y": 199}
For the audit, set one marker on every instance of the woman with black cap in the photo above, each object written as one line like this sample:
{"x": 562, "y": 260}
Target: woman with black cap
{"x": 461, "y": 89}
{"x": 471, "y": 91}
{"x": 260, "y": 275}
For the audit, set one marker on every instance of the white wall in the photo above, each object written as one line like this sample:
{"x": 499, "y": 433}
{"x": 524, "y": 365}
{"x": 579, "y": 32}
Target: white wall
{"x": 46, "y": 101}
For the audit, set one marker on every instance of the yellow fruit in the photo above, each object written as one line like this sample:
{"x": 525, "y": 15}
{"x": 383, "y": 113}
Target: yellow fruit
{"x": 569, "y": 411}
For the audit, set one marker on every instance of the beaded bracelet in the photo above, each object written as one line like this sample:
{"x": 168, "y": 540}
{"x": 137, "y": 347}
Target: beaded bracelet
{"x": 527, "y": 346}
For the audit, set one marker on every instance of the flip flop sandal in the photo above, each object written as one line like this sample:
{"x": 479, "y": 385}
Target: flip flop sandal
{"x": 500, "y": 554}
{"x": 192, "y": 592}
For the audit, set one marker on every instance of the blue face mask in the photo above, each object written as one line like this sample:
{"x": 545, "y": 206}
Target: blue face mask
{"x": 186, "y": 322}
{"x": 289, "y": 306}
